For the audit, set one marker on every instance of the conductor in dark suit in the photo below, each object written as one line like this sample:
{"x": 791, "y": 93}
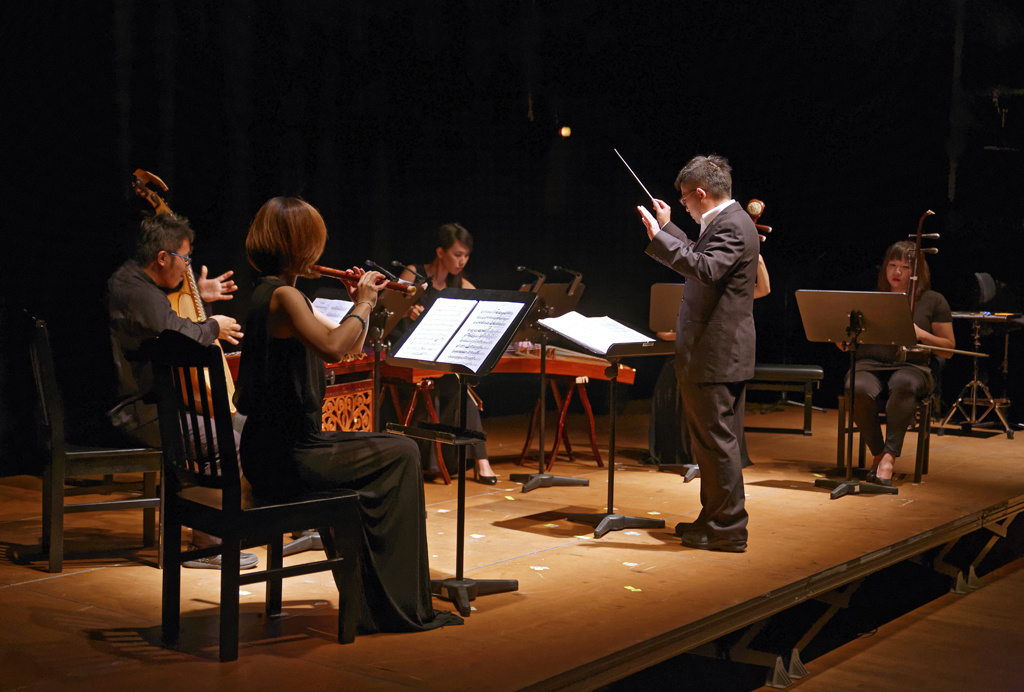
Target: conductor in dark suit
{"x": 714, "y": 354}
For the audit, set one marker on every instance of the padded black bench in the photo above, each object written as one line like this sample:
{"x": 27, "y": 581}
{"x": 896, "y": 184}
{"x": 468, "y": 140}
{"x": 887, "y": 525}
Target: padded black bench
{"x": 789, "y": 378}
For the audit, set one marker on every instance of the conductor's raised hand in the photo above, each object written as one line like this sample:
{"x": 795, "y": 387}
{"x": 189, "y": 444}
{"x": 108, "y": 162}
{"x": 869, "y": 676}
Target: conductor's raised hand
{"x": 650, "y": 222}
{"x": 217, "y": 288}
{"x": 662, "y": 211}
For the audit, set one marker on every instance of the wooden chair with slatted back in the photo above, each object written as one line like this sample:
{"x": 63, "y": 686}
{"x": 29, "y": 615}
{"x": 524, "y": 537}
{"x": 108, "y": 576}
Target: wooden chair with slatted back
{"x": 69, "y": 470}
{"x": 203, "y": 490}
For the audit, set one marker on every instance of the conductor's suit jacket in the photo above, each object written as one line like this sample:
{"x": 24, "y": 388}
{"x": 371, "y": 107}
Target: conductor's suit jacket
{"x": 715, "y": 339}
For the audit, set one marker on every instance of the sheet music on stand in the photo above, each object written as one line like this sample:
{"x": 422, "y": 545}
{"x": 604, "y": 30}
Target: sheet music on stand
{"x": 464, "y": 331}
{"x": 605, "y": 336}
{"x": 332, "y": 308}
{"x": 615, "y": 341}
{"x": 553, "y": 300}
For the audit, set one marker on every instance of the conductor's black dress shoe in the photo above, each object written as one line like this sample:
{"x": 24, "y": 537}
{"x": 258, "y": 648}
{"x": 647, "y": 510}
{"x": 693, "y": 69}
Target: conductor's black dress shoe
{"x": 699, "y": 540}
{"x": 688, "y": 527}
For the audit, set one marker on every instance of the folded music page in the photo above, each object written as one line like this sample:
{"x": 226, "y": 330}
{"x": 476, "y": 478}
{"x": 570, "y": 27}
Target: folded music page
{"x": 598, "y": 334}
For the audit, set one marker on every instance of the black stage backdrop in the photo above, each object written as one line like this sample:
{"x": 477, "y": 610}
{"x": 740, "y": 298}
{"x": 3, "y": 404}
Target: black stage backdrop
{"x": 848, "y": 119}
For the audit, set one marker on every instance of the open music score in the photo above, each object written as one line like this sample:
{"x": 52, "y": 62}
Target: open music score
{"x": 459, "y": 331}
{"x": 464, "y": 331}
{"x": 602, "y": 334}
{"x": 334, "y": 309}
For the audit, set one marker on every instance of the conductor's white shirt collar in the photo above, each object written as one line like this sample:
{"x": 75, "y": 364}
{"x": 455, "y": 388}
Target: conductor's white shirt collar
{"x": 709, "y": 216}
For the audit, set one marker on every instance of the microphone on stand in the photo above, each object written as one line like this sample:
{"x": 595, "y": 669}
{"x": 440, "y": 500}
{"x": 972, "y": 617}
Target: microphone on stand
{"x": 578, "y": 277}
{"x": 540, "y": 277}
{"x": 373, "y": 265}
{"x": 419, "y": 277}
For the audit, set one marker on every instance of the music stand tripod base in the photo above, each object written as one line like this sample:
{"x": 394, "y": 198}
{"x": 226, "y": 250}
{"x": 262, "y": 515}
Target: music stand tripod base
{"x": 532, "y": 481}
{"x": 462, "y": 591}
{"x": 605, "y": 522}
{"x": 457, "y": 589}
{"x": 687, "y": 471}
{"x": 847, "y": 486}
{"x": 308, "y": 540}
{"x": 543, "y": 479}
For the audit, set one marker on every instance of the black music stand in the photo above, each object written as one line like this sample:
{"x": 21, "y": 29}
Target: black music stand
{"x": 853, "y": 318}
{"x": 463, "y": 332}
{"x": 553, "y": 300}
{"x": 610, "y": 520}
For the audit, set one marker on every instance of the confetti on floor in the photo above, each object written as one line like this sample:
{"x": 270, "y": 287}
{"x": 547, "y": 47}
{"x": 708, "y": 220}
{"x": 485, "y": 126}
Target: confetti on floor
{"x": 538, "y": 568}
{"x": 634, "y": 589}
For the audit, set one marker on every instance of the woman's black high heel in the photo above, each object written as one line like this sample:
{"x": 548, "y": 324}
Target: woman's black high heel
{"x": 887, "y": 482}
{"x": 484, "y": 480}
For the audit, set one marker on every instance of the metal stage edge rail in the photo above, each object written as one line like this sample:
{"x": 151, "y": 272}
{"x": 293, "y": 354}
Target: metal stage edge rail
{"x": 634, "y": 659}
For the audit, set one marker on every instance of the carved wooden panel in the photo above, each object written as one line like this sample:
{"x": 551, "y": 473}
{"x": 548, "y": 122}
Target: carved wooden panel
{"x": 348, "y": 410}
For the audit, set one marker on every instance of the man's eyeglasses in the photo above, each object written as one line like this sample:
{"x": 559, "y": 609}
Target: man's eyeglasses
{"x": 683, "y": 198}
{"x": 188, "y": 260}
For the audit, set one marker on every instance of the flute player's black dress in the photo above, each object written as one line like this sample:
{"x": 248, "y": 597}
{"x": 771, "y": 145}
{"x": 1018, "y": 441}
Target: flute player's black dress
{"x": 285, "y": 454}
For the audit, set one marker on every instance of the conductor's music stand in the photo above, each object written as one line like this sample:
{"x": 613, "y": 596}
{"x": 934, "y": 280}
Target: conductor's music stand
{"x": 552, "y": 300}
{"x": 610, "y": 520}
{"x": 463, "y": 332}
{"x": 853, "y": 318}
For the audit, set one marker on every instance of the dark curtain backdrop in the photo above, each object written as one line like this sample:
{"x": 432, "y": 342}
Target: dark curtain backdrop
{"x": 848, "y": 119}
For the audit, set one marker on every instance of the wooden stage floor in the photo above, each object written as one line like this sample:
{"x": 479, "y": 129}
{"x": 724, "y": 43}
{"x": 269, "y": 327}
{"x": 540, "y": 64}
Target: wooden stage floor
{"x": 588, "y": 611}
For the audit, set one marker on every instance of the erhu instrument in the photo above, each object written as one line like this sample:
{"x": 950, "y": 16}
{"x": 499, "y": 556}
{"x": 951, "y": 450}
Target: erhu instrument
{"x": 917, "y": 354}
